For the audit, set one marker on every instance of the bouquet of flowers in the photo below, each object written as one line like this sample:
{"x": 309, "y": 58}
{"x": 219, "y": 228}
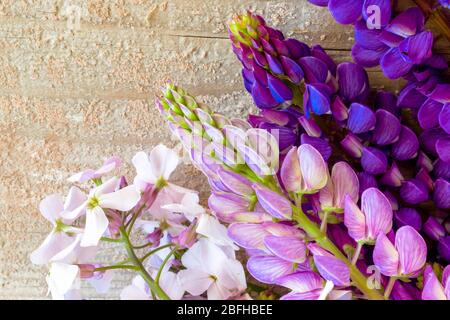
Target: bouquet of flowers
{"x": 331, "y": 191}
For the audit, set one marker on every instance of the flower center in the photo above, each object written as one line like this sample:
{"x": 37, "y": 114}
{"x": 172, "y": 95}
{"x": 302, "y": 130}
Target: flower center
{"x": 93, "y": 202}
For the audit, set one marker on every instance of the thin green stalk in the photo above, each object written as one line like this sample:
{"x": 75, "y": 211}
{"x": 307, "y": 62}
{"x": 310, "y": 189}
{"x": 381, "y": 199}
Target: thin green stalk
{"x": 106, "y": 239}
{"x": 158, "y": 276}
{"x": 129, "y": 225}
{"x": 148, "y": 254}
{"x": 389, "y": 287}
{"x": 321, "y": 239}
{"x": 143, "y": 246}
{"x": 140, "y": 267}
{"x": 115, "y": 267}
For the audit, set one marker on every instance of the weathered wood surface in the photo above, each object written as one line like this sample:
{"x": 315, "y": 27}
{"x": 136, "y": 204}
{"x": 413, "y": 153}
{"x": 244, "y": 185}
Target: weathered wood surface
{"x": 70, "y": 98}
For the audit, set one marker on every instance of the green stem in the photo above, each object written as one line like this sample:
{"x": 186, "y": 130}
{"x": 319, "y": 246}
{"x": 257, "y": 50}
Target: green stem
{"x": 106, "y": 239}
{"x": 148, "y": 254}
{"x": 140, "y": 267}
{"x": 129, "y": 225}
{"x": 115, "y": 267}
{"x": 389, "y": 287}
{"x": 158, "y": 276}
{"x": 321, "y": 239}
{"x": 143, "y": 246}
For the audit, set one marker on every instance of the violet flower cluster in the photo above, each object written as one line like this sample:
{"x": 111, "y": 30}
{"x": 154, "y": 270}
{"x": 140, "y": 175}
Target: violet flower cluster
{"x": 185, "y": 252}
{"x": 403, "y": 47}
{"x": 379, "y": 141}
{"x": 300, "y": 224}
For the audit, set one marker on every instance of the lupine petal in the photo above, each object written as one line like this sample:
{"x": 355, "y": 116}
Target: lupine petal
{"x": 292, "y": 69}
{"x": 412, "y": 250}
{"x": 248, "y": 235}
{"x": 393, "y": 177}
{"x": 235, "y": 182}
{"x": 320, "y": 3}
{"x": 378, "y": 212}
{"x": 444, "y": 118}
{"x": 296, "y": 48}
{"x": 333, "y": 269}
{"x": 360, "y": 118}
{"x": 441, "y": 93}
{"x": 288, "y": 248}
{"x": 393, "y": 64}
{"x": 313, "y": 167}
{"x": 442, "y": 193}
{"x": 432, "y": 288}
{"x": 354, "y": 220}
{"x": 268, "y": 269}
{"x": 385, "y": 256}
{"x": 274, "y": 203}
{"x": 353, "y": 82}
{"x": 387, "y": 101}
{"x": 414, "y": 191}
{"x": 443, "y": 148}
{"x": 444, "y": 253}
{"x": 417, "y": 48}
{"x": 263, "y": 97}
{"x": 367, "y": 57}
{"x": 366, "y": 181}
{"x": 318, "y": 52}
{"x": 345, "y": 11}
{"x": 373, "y": 161}
{"x": 387, "y": 128}
{"x": 406, "y": 146}
{"x": 433, "y": 229}
{"x": 310, "y": 126}
{"x": 410, "y": 97}
{"x": 225, "y": 205}
{"x": 319, "y": 144}
{"x": 290, "y": 172}
{"x": 428, "y": 115}
{"x": 408, "y": 217}
{"x": 316, "y": 71}
{"x": 280, "y": 92}
{"x": 300, "y": 282}
{"x": 368, "y": 38}
{"x": 407, "y": 23}
{"x": 352, "y": 145}
{"x": 345, "y": 183}
{"x": 317, "y": 99}
{"x": 338, "y": 109}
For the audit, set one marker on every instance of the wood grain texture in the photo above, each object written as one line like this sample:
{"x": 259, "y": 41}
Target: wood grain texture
{"x": 71, "y": 98}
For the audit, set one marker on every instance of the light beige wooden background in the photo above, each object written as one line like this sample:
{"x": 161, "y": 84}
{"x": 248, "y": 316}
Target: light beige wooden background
{"x": 69, "y": 98}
